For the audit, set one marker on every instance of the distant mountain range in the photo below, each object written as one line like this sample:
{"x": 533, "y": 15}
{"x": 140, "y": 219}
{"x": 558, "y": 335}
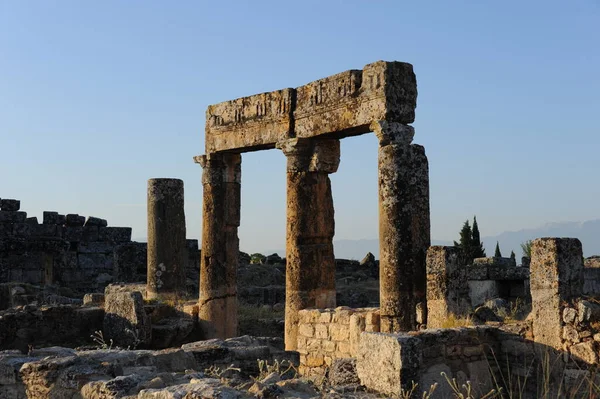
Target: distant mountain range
{"x": 588, "y": 232}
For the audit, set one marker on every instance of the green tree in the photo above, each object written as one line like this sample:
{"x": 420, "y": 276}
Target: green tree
{"x": 465, "y": 243}
{"x": 478, "y": 251}
{"x": 526, "y": 248}
{"x": 497, "y": 253}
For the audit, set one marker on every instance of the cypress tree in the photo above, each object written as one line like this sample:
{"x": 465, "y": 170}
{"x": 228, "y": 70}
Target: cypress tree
{"x": 477, "y": 245}
{"x": 465, "y": 245}
{"x": 513, "y": 256}
{"x": 497, "y": 253}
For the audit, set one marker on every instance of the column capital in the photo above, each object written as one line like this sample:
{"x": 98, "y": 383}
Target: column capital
{"x": 311, "y": 155}
{"x": 208, "y": 160}
{"x": 392, "y": 132}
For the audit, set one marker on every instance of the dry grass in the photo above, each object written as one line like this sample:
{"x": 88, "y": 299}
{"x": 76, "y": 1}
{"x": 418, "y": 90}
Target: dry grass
{"x": 258, "y": 312}
{"x": 453, "y": 322}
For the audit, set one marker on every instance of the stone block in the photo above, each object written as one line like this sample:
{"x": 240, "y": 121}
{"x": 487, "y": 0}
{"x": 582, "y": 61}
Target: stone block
{"x": 325, "y": 317}
{"x": 588, "y": 311}
{"x": 10, "y": 205}
{"x": 43, "y": 230}
{"x": 115, "y": 234}
{"x": 556, "y": 279}
{"x": 342, "y": 315}
{"x": 72, "y": 233}
{"x": 387, "y": 363}
{"x": 321, "y": 331}
{"x": 355, "y": 98}
{"x": 314, "y": 360}
{"x": 95, "y": 261}
{"x": 343, "y": 347}
{"x": 118, "y": 287}
{"x": 340, "y": 332}
{"x": 32, "y": 220}
{"x": 6, "y": 230}
{"x": 99, "y": 247}
{"x": 94, "y": 299}
{"x": 586, "y": 352}
{"x": 306, "y": 330}
{"x": 94, "y": 221}
{"x": 22, "y": 230}
{"x": 130, "y": 261}
{"x": 74, "y": 219}
{"x": 328, "y": 346}
{"x": 12, "y": 216}
{"x": 50, "y": 217}
{"x": 258, "y": 120}
{"x": 125, "y": 320}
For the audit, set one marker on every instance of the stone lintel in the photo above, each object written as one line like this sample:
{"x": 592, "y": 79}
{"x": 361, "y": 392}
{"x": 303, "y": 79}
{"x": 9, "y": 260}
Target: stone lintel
{"x": 341, "y": 105}
{"x": 257, "y": 121}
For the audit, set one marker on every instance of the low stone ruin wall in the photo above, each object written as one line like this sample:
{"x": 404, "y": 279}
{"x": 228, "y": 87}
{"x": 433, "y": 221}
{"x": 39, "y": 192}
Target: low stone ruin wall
{"x": 490, "y": 278}
{"x": 591, "y": 281}
{"x": 84, "y": 254}
{"x": 328, "y": 334}
{"x": 33, "y": 327}
{"x": 389, "y": 362}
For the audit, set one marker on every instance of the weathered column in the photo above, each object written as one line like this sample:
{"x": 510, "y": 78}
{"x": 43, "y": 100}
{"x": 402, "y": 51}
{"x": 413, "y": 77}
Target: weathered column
{"x": 447, "y": 286}
{"x": 310, "y": 270}
{"x": 166, "y": 240}
{"x": 404, "y": 227}
{"x": 556, "y": 280}
{"x": 221, "y": 179}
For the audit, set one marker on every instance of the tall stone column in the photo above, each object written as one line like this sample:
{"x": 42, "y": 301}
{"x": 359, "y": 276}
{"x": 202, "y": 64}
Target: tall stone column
{"x": 404, "y": 225}
{"x": 221, "y": 180}
{"x": 310, "y": 270}
{"x": 166, "y": 240}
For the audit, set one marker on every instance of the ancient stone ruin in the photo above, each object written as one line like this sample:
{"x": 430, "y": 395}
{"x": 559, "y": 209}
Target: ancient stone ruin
{"x": 164, "y": 319}
{"x": 306, "y": 123}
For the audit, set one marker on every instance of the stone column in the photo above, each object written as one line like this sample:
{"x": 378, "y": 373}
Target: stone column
{"x": 310, "y": 270}
{"x": 447, "y": 286}
{"x": 556, "y": 280}
{"x": 221, "y": 179}
{"x": 166, "y": 240}
{"x": 404, "y": 227}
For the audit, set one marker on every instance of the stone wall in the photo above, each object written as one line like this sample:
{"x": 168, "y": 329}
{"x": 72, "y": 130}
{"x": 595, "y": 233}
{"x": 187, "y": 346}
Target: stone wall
{"x": 48, "y": 326}
{"x": 389, "y": 363}
{"x": 328, "y": 334}
{"x": 591, "y": 280}
{"x": 497, "y": 278}
{"x": 84, "y": 254}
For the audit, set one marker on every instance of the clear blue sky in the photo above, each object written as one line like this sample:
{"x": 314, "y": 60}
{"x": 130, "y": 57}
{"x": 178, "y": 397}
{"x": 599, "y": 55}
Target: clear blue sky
{"x": 98, "y": 97}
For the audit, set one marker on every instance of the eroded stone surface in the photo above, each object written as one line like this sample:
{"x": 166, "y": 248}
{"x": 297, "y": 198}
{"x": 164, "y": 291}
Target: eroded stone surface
{"x": 345, "y": 104}
{"x": 447, "y": 288}
{"x": 125, "y": 321}
{"x": 556, "y": 279}
{"x": 166, "y": 239}
{"x": 221, "y": 179}
{"x": 404, "y": 233}
{"x": 310, "y": 262}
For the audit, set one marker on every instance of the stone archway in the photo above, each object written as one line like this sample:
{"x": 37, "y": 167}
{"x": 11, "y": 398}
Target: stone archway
{"x": 306, "y": 123}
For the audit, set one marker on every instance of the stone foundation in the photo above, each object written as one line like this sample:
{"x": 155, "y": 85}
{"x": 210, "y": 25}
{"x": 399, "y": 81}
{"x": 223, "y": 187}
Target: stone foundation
{"x": 328, "y": 334}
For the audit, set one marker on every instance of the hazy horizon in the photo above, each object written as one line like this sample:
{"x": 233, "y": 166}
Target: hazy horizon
{"x": 97, "y": 98}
